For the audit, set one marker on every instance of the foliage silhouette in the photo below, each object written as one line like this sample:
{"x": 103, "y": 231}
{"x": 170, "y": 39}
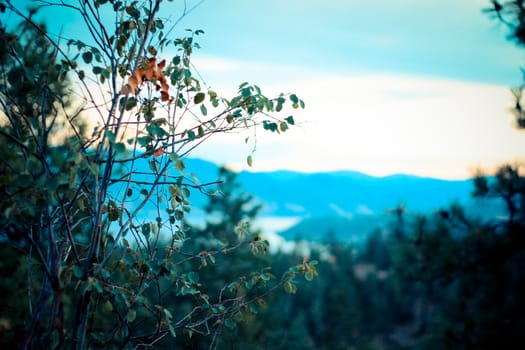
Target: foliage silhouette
{"x": 94, "y": 263}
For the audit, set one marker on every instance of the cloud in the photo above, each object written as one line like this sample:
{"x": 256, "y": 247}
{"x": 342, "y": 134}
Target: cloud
{"x": 434, "y": 37}
{"x": 375, "y": 123}
{"x": 380, "y": 124}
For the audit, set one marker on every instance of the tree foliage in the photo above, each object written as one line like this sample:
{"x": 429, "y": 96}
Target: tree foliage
{"x": 512, "y": 15}
{"x": 95, "y": 194}
{"x": 98, "y": 249}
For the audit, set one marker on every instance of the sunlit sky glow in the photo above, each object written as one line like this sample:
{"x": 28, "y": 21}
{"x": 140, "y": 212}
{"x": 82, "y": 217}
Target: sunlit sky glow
{"x": 390, "y": 86}
{"x": 417, "y": 87}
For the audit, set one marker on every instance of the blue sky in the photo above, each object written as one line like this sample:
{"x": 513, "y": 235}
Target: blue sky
{"x": 450, "y": 38}
{"x": 391, "y": 86}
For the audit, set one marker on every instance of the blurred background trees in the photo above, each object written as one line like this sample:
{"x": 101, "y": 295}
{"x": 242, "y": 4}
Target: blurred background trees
{"x": 449, "y": 280}
{"x": 93, "y": 136}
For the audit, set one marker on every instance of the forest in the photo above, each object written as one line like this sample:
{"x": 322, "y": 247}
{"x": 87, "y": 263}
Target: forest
{"x": 83, "y": 268}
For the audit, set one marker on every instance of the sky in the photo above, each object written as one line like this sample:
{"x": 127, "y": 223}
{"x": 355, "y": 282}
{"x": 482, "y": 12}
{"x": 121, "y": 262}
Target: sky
{"x": 391, "y": 86}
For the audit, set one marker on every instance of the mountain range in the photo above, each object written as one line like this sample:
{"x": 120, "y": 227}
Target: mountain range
{"x": 348, "y": 204}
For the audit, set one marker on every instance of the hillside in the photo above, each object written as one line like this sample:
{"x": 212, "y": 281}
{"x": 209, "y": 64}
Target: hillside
{"x": 347, "y": 203}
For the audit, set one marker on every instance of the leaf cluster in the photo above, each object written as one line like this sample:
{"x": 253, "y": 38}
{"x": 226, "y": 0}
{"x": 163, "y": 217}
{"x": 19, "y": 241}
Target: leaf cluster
{"x": 94, "y": 135}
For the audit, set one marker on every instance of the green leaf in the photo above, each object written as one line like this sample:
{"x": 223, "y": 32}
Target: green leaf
{"x": 144, "y": 140}
{"x": 290, "y": 120}
{"x": 168, "y": 314}
{"x": 153, "y": 165}
{"x": 179, "y": 215}
{"x": 179, "y": 165}
{"x": 267, "y": 125}
{"x": 110, "y": 135}
{"x": 199, "y": 97}
{"x": 87, "y": 57}
{"x": 174, "y": 190}
{"x": 105, "y": 273}
{"x": 283, "y": 126}
{"x": 127, "y": 103}
{"x": 229, "y": 323}
{"x": 249, "y": 160}
{"x": 289, "y": 287}
{"x": 107, "y": 307}
{"x": 152, "y": 50}
{"x": 172, "y": 330}
{"x": 113, "y": 214}
{"x": 72, "y": 178}
{"x": 77, "y": 271}
{"x": 131, "y": 315}
{"x": 204, "y": 110}
{"x": 246, "y": 92}
{"x": 248, "y": 284}
{"x": 146, "y": 229}
{"x": 309, "y": 276}
{"x": 193, "y": 277}
{"x": 119, "y": 147}
{"x": 156, "y": 130}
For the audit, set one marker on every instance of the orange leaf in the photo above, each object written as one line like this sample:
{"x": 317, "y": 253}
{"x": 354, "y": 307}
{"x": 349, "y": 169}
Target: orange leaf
{"x": 164, "y": 85}
{"x": 151, "y": 70}
{"x": 158, "y": 152}
{"x": 133, "y": 83}
{"x": 125, "y": 89}
{"x": 139, "y": 74}
{"x": 161, "y": 65}
{"x": 164, "y": 96}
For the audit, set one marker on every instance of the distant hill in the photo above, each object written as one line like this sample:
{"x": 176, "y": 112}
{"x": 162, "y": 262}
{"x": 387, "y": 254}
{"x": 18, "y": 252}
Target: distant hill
{"x": 346, "y": 203}
{"x": 353, "y": 230}
{"x": 350, "y": 193}
{"x": 341, "y": 193}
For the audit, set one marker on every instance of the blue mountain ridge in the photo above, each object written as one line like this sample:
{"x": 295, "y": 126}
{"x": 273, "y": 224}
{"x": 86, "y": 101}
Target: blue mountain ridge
{"x": 347, "y": 203}
{"x": 349, "y": 193}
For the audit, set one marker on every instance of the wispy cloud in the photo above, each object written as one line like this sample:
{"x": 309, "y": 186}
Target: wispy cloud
{"x": 380, "y": 124}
